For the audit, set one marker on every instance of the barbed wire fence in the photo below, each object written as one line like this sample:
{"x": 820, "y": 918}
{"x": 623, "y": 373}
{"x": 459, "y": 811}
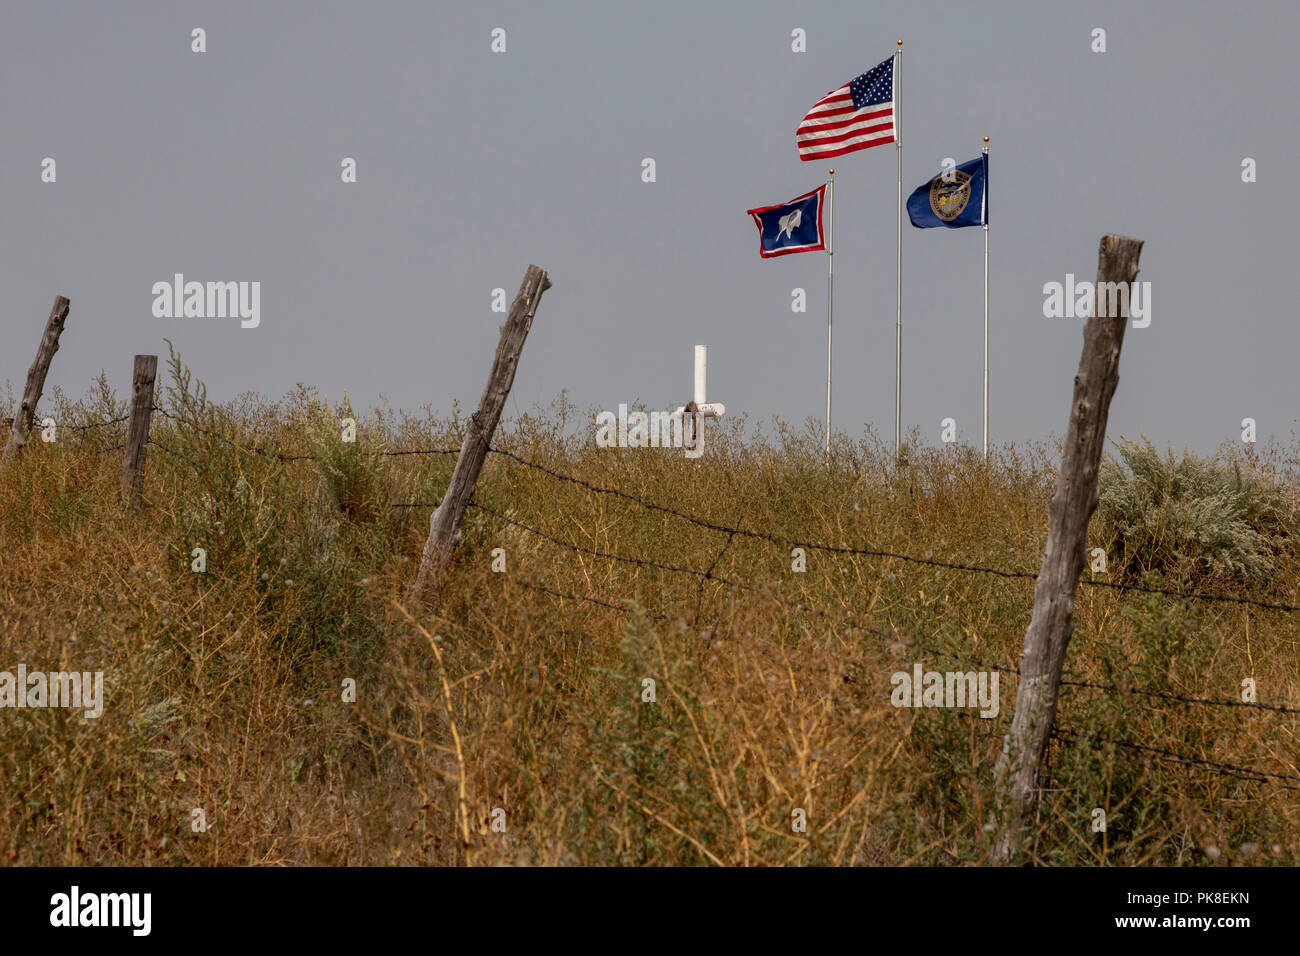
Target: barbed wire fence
{"x": 1282, "y": 781}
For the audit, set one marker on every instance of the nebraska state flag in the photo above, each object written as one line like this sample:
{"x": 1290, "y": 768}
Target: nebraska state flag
{"x": 956, "y": 197}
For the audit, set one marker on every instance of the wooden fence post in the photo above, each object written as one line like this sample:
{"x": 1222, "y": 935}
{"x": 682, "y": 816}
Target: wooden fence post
{"x": 137, "y": 434}
{"x": 444, "y": 526}
{"x": 26, "y": 410}
{"x": 1070, "y": 510}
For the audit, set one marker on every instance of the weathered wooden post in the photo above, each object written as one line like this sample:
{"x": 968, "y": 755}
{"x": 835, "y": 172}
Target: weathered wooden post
{"x": 444, "y": 526}
{"x": 137, "y": 434}
{"x": 26, "y": 410}
{"x": 1070, "y": 510}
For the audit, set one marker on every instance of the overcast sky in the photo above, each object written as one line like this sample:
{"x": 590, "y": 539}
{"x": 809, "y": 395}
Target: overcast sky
{"x": 225, "y": 165}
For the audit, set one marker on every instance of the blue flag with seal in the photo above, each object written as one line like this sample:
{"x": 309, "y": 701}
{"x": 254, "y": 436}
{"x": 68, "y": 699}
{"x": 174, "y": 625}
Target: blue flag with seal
{"x": 955, "y": 198}
{"x": 794, "y": 226}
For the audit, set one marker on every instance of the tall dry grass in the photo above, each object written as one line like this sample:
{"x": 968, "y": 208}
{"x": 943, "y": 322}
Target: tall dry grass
{"x": 512, "y": 706}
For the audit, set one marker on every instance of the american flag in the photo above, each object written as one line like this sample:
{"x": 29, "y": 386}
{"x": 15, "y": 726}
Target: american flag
{"x": 858, "y": 115}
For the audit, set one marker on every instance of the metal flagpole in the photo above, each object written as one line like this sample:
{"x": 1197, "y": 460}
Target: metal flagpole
{"x": 830, "y": 296}
{"x": 898, "y": 289}
{"x": 984, "y": 215}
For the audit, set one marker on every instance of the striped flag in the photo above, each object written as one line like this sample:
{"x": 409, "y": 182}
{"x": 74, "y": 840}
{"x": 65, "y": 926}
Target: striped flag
{"x": 858, "y": 115}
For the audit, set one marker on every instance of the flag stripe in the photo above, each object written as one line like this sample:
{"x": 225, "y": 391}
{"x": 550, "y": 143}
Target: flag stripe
{"x": 836, "y": 122}
{"x": 858, "y": 138}
{"x": 832, "y": 99}
{"x": 847, "y": 149}
{"x": 843, "y": 132}
{"x": 828, "y": 116}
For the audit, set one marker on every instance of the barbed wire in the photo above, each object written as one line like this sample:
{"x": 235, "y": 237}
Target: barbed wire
{"x": 1161, "y": 753}
{"x": 93, "y": 425}
{"x": 628, "y": 559}
{"x": 1184, "y": 699}
{"x": 175, "y": 454}
{"x": 699, "y": 601}
{"x": 1191, "y": 595}
{"x": 783, "y": 541}
{"x": 1066, "y": 681}
{"x": 250, "y": 449}
{"x": 841, "y": 620}
{"x": 253, "y": 449}
{"x": 82, "y": 431}
{"x": 590, "y": 600}
{"x": 733, "y": 531}
{"x": 1155, "y": 753}
{"x": 420, "y": 451}
{"x": 762, "y": 535}
{"x": 73, "y": 428}
{"x": 1251, "y": 774}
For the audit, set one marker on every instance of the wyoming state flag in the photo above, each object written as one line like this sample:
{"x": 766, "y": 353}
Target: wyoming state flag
{"x": 952, "y": 200}
{"x": 795, "y": 226}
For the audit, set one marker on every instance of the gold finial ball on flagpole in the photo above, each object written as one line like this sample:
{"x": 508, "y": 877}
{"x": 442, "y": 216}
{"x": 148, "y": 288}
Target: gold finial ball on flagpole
{"x": 986, "y": 139}
{"x": 832, "y": 170}
{"x": 900, "y": 42}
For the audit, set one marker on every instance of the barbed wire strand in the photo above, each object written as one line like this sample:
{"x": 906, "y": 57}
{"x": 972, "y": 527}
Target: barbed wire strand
{"x": 1066, "y": 681}
{"x": 253, "y": 449}
{"x": 1161, "y": 753}
{"x": 841, "y": 620}
{"x": 877, "y": 553}
{"x": 9, "y": 422}
{"x": 782, "y": 540}
{"x": 776, "y": 539}
{"x": 590, "y": 600}
{"x": 1183, "y": 699}
{"x": 1156, "y": 753}
{"x": 93, "y": 425}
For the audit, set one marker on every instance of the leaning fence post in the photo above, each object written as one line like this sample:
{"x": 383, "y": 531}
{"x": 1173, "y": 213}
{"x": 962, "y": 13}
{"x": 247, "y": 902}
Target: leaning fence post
{"x": 26, "y": 410}
{"x": 137, "y": 433}
{"x": 444, "y": 526}
{"x": 1070, "y": 510}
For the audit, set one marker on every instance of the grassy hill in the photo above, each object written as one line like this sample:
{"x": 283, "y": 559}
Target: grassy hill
{"x": 509, "y": 725}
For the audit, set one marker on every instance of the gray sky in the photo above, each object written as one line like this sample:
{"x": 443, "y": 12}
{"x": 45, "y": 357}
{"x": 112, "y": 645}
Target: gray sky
{"x": 226, "y": 166}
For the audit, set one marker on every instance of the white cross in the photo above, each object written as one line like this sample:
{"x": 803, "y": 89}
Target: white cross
{"x": 702, "y": 409}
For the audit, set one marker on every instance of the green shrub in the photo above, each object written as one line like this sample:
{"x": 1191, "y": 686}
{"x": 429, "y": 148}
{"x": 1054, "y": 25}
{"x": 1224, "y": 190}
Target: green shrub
{"x": 352, "y": 472}
{"x": 1189, "y": 517}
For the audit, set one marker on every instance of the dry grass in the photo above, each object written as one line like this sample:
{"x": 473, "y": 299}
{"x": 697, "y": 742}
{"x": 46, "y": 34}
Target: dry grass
{"x": 224, "y": 689}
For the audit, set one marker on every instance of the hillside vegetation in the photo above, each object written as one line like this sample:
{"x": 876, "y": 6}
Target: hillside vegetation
{"x": 518, "y": 703}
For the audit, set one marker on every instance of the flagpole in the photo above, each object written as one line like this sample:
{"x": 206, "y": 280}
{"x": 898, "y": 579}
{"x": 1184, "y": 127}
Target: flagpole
{"x": 898, "y": 288}
{"x": 830, "y": 296}
{"x": 984, "y": 216}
